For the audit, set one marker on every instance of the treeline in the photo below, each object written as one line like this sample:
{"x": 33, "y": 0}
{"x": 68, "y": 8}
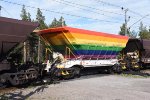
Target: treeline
{"x": 143, "y": 33}
{"x": 26, "y": 16}
{"x": 33, "y": 42}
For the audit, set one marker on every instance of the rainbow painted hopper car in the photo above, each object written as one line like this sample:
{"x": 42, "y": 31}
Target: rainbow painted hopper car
{"x": 83, "y": 48}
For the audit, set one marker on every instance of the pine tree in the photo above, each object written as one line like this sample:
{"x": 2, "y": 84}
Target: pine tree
{"x": 54, "y": 23}
{"x": 24, "y": 14}
{"x": 29, "y": 17}
{"x": 61, "y": 22}
{"x": 122, "y": 30}
{"x": 131, "y": 34}
{"x": 40, "y": 18}
{"x": 144, "y": 33}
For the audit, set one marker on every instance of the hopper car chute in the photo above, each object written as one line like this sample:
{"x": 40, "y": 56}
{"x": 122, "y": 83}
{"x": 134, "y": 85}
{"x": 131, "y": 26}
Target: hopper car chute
{"x": 12, "y": 32}
{"x": 83, "y": 48}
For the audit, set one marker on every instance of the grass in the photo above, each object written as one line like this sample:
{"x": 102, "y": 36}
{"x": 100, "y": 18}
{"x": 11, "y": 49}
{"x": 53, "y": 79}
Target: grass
{"x": 134, "y": 76}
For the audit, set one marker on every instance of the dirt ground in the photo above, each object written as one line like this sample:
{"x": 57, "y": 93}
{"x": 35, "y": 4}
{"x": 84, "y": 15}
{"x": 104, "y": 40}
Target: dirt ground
{"x": 91, "y": 87}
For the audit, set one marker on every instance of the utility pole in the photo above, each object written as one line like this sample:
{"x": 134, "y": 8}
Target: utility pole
{"x": 126, "y": 20}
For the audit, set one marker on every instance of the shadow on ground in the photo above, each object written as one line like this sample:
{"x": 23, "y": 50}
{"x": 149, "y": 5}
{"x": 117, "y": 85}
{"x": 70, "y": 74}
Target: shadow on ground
{"x": 20, "y": 96}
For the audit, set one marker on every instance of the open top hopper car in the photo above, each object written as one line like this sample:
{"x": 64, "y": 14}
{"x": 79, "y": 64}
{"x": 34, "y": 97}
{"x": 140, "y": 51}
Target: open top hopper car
{"x": 84, "y": 48}
{"x": 136, "y": 54}
{"x": 12, "y": 32}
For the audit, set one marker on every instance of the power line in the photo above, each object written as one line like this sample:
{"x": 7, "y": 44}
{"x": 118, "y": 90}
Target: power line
{"x": 59, "y": 12}
{"x": 70, "y": 4}
{"x": 6, "y": 11}
{"x": 114, "y": 5}
{"x": 107, "y": 3}
{"x": 131, "y": 11}
{"x": 139, "y": 20}
{"x": 135, "y": 13}
{"x": 110, "y": 4}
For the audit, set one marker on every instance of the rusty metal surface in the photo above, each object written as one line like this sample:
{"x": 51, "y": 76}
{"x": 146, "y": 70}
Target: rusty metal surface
{"x": 141, "y": 45}
{"x": 13, "y": 31}
{"x": 132, "y": 45}
{"x": 146, "y": 47}
{"x": 146, "y": 44}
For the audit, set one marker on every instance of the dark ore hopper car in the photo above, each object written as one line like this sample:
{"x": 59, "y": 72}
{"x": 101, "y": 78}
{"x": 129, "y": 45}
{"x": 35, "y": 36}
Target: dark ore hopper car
{"x": 146, "y": 51}
{"x": 136, "y": 53}
{"x": 13, "y": 31}
{"x": 133, "y": 45}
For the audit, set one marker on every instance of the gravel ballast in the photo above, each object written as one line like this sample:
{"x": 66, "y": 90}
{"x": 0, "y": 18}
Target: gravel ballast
{"x": 92, "y": 87}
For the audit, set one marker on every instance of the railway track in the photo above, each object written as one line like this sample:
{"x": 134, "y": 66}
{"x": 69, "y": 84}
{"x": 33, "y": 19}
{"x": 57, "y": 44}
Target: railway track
{"x": 86, "y": 72}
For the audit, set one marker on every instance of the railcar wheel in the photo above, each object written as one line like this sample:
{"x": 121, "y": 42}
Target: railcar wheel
{"x": 117, "y": 69}
{"x": 110, "y": 71}
{"x": 3, "y": 85}
{"x": 77, "y": 72}
{"x": 55, "y": 75}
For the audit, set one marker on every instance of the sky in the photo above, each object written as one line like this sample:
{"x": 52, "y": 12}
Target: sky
{"x": 96, "y": 15}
